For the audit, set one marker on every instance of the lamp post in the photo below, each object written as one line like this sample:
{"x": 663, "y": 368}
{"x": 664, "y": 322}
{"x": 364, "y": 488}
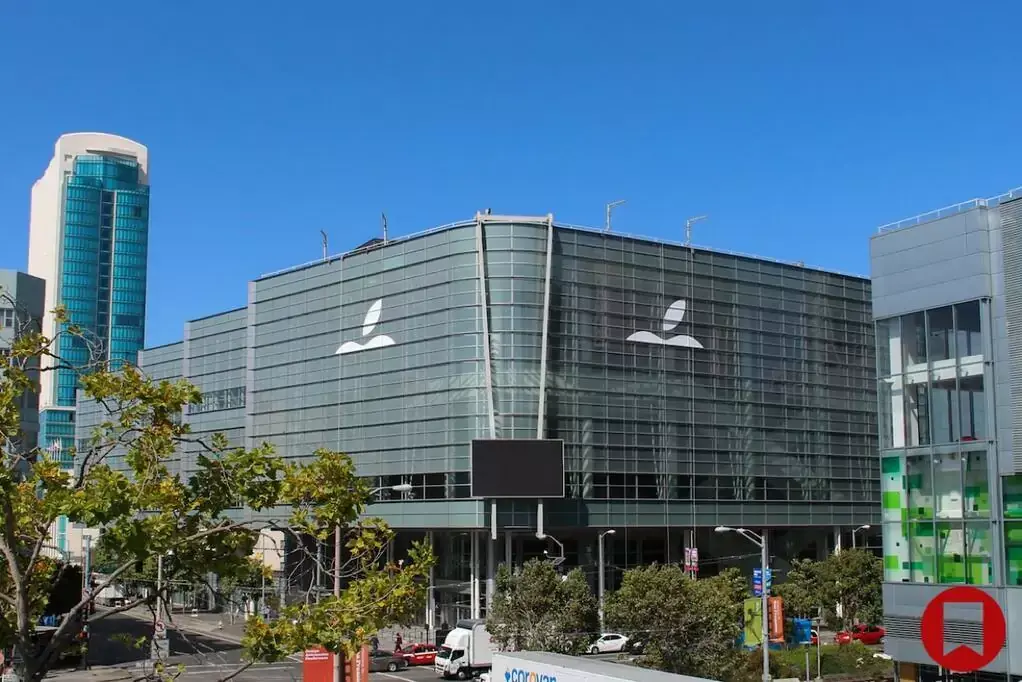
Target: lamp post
{"x": 599, "y": 543}
{"x": 855, "y": 532}
{"x": 764, "y": 561}
{"x": 400, "y": 488}
{"x": 610, "y": 207}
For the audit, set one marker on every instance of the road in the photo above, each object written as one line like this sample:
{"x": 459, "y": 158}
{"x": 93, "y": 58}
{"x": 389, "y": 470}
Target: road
{"x": 122, "y": 641}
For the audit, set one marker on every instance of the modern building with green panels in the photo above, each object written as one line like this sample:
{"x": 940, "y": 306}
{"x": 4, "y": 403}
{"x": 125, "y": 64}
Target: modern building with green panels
{"x": 947, "y": 297}
{"x": 692, "y": 388}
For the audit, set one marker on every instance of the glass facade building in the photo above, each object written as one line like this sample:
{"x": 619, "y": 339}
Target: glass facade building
{"x": 947, "y": 296}
{"x": 88, "y": 239}
{"x": 21, "y": 311}
{"x": 691, "y": 388}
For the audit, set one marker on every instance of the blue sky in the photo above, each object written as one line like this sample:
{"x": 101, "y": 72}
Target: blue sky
{"x": 798, "y": 126}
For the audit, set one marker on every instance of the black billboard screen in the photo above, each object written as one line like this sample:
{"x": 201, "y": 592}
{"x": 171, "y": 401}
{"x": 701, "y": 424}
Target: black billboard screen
{"x": 505, "y": 468}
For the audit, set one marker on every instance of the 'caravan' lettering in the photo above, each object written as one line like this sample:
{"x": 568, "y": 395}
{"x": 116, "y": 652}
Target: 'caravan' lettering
{"x": 518, "y": 675}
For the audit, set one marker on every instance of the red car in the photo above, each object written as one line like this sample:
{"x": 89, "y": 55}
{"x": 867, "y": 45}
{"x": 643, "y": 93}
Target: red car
{"x": 867, "y": 634}
{"x": 419, "y": 654}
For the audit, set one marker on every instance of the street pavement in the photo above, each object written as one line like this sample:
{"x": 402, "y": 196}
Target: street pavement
{"x": 119, "y": 644}
{"x": 206, "y": 649}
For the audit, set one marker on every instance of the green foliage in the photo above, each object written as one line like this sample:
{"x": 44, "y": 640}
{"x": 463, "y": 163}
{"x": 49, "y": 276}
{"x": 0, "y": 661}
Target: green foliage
{"x": 688, "y": 626}
{"x": 801, "y": 589}
{"x": 854, "y": 578}
{"x": 851, "y": 659}
{"x": 537, "y": 609}
{"x": 123, "y": 482}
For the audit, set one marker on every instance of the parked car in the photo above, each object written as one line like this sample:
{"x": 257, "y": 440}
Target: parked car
{"x": 867, "y": 634}
{"x": 608, "y": 643}
{"x": 420, "y": 654}
{"x": 386, "y": 661}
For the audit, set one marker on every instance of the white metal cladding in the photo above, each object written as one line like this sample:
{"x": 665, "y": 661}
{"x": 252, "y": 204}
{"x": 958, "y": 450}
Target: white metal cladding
{"x": 1011, "y": 231}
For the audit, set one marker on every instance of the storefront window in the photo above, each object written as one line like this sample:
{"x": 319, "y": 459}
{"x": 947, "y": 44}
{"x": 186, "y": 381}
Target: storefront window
{"x": 945, "y": 416}
{"x": 968, "y": 339}
{"x": 896, "y": 553}
{"x": 947, "y": 485}
{"x": 917, "y": 409}
{"x": 923, "y": 552}
{"x": 1013, "y": 552}
{"x": 950, "y": 553}
{"x": 973, "y": 405}
{"x": 919, "y": 480}
{"x": 896, "y": 547}
{"x": 913, "y": 340}
{"x": 885, "y": 418}
{"x": 978, "y": 545}
{"x": 977, "y": 484}
{"x": 888, "y": 340}
{"x": 940, "y": 342}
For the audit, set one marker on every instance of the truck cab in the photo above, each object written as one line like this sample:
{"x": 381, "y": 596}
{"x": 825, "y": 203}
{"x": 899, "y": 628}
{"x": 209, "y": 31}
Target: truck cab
{"x": 466, "y": 651}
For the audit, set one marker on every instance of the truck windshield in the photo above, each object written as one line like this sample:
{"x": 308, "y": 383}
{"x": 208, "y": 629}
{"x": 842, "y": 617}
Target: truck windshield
{"x": 443, "y": 652}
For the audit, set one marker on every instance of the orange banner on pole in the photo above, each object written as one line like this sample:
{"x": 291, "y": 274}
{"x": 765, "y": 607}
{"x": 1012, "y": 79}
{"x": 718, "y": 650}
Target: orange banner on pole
{"x": 775, "y": 608}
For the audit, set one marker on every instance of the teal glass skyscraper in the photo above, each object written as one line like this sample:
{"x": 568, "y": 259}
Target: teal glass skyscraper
{"x": 88, "y": 239}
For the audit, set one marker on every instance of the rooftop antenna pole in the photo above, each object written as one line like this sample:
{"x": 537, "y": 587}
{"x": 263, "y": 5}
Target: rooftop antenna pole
{"x": 688, "y": 228}
{"x": 325, "y": 250}
{"x": 610, "y": 207}
{"x": 383, "y": 218}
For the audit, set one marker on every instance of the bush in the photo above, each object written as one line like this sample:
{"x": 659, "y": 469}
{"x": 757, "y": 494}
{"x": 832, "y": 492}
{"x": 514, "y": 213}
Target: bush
{"x": 851, "y": 659}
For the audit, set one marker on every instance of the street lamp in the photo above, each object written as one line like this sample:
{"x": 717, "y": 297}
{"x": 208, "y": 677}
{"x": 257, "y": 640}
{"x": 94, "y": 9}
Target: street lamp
{"x": 764, "y": 562}
{"x": 863, "y": 527}
{"x": 559, "y": 559}
{"x": 599, "y": 543}
{"x": 400, "y": 488}
{"x": 610, "y": 207}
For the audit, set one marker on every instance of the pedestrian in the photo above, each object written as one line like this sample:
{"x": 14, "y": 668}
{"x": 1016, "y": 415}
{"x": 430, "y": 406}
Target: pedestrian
{"x": 375, "y": 641}
{"x": 398, "y": 641}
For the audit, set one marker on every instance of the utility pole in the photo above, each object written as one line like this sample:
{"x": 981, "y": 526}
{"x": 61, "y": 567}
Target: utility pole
{"x": 610, "y": 207}
{"x": 602, "y": 571}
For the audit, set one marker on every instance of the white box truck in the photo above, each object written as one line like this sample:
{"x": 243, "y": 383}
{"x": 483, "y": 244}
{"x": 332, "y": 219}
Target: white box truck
{"x": 466, "y": 651}
{"x": 537, "y": 666}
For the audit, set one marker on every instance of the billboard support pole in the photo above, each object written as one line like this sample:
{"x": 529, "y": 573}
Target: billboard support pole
{"x": 543, "y": 350}
{"x": 485, "y": 314}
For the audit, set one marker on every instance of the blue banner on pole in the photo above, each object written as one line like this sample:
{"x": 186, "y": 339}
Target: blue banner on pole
{"x": 757, "y": 581}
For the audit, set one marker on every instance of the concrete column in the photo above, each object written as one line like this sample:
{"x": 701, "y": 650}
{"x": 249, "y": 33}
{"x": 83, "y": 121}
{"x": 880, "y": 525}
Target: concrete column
{"x": 491, "y": 569}
{"x": 508, "y": 553}
{"x": 474, "y": 574}
{"x": 430, "y": 594}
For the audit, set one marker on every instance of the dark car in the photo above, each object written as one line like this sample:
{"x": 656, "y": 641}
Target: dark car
{"x": 386, "y": 661}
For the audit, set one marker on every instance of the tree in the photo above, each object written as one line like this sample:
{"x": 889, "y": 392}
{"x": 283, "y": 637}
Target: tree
{"x": 688, "y": 626}
{"x": 537, "y": 609}
{"x": 123, "y": 483}
{"x": 853, "y": 578}
{"x": 801, "y": 589}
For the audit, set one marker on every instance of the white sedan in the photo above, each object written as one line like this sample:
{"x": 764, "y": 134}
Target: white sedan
{"x": 609, "y": 643}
